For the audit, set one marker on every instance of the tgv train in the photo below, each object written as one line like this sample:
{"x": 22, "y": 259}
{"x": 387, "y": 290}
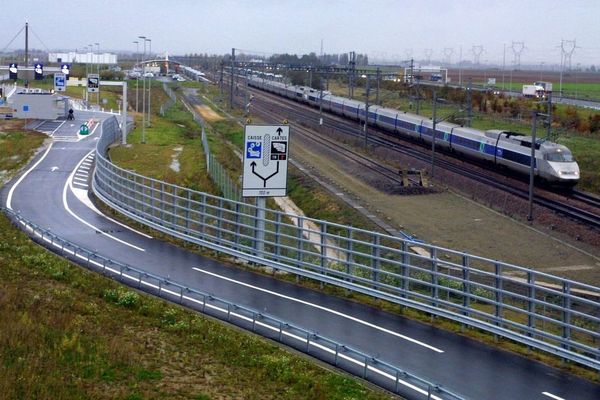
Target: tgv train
{"x": 553, "y": 162}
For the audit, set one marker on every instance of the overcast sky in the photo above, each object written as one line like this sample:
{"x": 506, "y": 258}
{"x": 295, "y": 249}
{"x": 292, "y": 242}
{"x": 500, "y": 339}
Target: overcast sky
{"x": 385, "y": 29}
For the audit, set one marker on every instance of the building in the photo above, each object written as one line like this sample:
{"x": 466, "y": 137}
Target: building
{"x": 83, "y": 58}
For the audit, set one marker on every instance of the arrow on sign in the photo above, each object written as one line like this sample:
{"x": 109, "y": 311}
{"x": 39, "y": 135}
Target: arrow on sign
{"x": 279, "y": 131}
{"x": 253, "y": 165}
{"x": 53, "y": 169}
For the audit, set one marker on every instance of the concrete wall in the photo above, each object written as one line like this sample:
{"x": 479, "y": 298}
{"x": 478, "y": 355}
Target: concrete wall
{"x": 38, "y": 105}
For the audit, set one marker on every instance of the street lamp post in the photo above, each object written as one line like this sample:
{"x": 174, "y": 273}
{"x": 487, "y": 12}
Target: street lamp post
{"x": 149, "y": 87}
{"x": 98, "y": 69}
{"x": 137, "y": 97}
{"x": 143, "y": 92}
{"x": 433, "y": 133}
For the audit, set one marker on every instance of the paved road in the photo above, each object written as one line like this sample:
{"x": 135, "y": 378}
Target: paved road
{"x": 53, "y": 194}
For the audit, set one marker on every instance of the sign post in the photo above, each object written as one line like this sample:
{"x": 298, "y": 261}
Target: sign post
{"x": 266, "y": 154}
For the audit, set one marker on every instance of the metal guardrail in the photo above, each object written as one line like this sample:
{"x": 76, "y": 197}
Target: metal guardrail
{"x": 326, "y": 349}
{"x": 543, "y": 311}
{"x": 170, "y": 101}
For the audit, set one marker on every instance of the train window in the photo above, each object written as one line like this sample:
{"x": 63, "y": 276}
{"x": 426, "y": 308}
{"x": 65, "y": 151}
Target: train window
{"x": 560, "y": 156}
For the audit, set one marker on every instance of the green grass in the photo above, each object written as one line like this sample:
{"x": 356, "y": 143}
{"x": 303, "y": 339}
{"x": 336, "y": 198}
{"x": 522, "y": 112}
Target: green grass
{"x": 587, "y": 151}
{"x": 66, "y": 332}
{"x": 318, "y": 203}
{"x": 17, "y": 145}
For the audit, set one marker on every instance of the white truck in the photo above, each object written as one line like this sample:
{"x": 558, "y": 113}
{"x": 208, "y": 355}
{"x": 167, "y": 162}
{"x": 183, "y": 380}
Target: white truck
{"x": 534, "y": 91}
{"x": 546, "y": 85}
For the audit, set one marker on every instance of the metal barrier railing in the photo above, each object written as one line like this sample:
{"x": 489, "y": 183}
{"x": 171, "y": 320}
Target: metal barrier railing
{"x": 543, "y": 311}
{"x": 321, "y": 347}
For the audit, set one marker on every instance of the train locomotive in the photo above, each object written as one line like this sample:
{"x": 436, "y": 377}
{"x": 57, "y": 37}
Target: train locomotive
{"x": 553, "y": 164}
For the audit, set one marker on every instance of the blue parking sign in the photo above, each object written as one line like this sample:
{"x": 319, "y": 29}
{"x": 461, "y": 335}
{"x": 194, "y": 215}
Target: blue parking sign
{"x": 60, "y": 82}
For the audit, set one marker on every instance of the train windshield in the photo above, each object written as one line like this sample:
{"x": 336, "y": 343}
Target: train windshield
{"x": 560, "y": 156}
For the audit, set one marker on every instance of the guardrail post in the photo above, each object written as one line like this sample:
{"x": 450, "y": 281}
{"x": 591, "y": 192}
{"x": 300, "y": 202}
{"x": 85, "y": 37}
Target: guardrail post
{"x": 152, "y": 190}
{"x": 323, "y": 248}
{"x": 530, "y": 302}
{"x": 162, "y": 202}
{"x": 277, "y": 239}
{"x": 202, "y": 213}
{"x": 175, "y": 207}
{"x": 434, "y": 276}
{"x": 405, "y": 284}
{"x": 300, "y": 239}
{"x": 187, "y": 211}
{"x": 466, "y": 277}
{"x": 498, "y": 293}
{"x": 350, "y": 255}
{"x": 237, "y": 224}
{"x": 375, "y": 260}
{"x": 566, "y": 314}
{"x": 219, "y": 217}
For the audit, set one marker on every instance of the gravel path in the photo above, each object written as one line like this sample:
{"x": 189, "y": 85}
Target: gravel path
{"x": 450, "y": 219}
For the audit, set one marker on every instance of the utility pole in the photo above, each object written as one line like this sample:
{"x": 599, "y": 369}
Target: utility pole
{"x": 26, "y": 44}
{"x": 532, "y": 166}
{"x": 378, "y": 84}
{"x": 98, "y": 72}
{"x": 321, "y": 104}
{"x": 503, "y": 65}
{"x": 433, "y": 132}
{"x": 143, "y": 91}
{"x": 137, "y": 94}
{"x": 149, "y": 88}
{"x": 221, "y": 78}
{"x": 460, "y": 67}
{"x": 366, "y": 127}
{"x": 469, "y": 103}
{"x": 231, "y": 87}
{"x": 418, "y": 90}
{"x": 549, "y": 112}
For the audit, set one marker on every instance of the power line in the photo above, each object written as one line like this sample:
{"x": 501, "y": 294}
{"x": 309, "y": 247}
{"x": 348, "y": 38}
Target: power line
{"x": 517, "y": 49}
{"x": 41, "y": 41}
{"x": 12, "y": 40}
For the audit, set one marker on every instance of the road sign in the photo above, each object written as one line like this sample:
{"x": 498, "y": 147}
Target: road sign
{"x": 84, "y": 130}
{"x": 13, "y": 70}
{"x": 266, "y": 153}
{"x": 93, "y": 83}
{"x": 60, "y": 82}
{"x": 38, "y": 70}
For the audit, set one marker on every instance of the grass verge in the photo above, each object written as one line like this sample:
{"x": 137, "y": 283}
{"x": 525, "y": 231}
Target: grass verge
{"x": 66, "y": 332}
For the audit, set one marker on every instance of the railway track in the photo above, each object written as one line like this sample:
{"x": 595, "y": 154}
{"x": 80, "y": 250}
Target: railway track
{"x": 378, "y": 138}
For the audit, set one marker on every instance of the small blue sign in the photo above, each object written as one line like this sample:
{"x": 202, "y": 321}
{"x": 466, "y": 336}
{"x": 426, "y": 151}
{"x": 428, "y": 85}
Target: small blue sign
{"x": 253, "y": 150}
{"x": 59, "y": 80}
{"x": 25, "y": 108}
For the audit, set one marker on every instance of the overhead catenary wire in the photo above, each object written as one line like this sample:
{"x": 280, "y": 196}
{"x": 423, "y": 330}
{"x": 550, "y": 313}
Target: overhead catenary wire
{"x": 12, "y": 40}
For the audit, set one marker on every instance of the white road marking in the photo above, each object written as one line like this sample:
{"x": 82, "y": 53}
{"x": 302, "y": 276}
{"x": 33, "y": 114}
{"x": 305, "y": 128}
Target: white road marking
{"x": 552, "y": 396}
{"x": 12, "y": 189}
{"x": 68, "y": 184}
{"x": 243, "y": 317}
{"x": 58, "y": 127}
{"x": 234, "y": 314}
{"x": 79, "y": 179}
{"x": 53, "y": 169}
{"x": 81, "y": 174}
{"x": 329, "y": 310}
